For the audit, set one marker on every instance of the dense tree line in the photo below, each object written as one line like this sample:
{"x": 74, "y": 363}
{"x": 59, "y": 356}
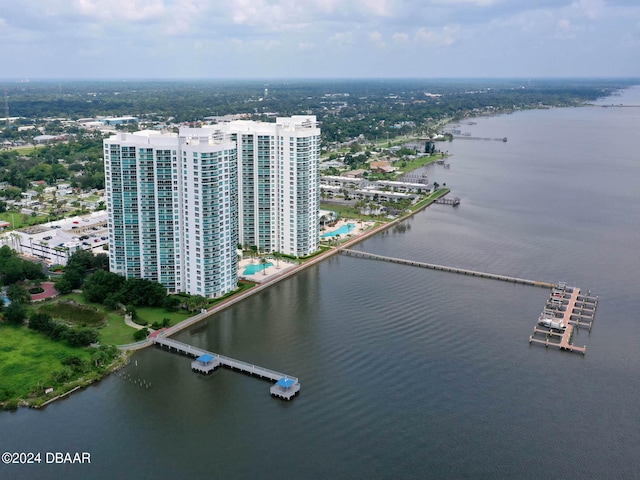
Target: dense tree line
{"x": 79, "y": 264}
{"x": 83, "y": 165}
{"x": 14, "y": 269}
{"x": 90, "y": 272}
{"x": 112, "y": 290}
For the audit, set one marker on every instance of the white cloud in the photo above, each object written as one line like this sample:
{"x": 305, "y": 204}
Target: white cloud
{"x": 592, "y": 9}
{"x": 400, "y": 37}
{"x": 444, "y": 36}
{"x": 376, "y": 39}
{"x": 340, "y": 36}
{"x": 379, "y": 8}
{"x": 181, "y": 19}
{"x": 123, "y": 10}
{"x": 270, "y": 16}
{"x": 341, "y": 39}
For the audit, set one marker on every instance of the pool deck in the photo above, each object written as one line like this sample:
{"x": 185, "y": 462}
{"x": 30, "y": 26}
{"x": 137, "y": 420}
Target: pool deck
{"x": 278, "y": 267}
{"x": 358, "y": 228}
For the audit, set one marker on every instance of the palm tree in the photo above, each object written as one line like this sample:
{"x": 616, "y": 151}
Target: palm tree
{"x": 277, "y": 256}
{"x": 263, "y": 262}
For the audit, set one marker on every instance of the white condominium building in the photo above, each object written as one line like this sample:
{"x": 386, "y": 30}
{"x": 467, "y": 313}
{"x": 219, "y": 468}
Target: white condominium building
{"x": 279, "y": 193}
{"x": 178, "y": 205}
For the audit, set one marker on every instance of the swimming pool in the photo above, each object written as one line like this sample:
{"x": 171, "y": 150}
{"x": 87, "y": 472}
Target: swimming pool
{"x": 343, "y": 230}
{"x": 253, "y": 269}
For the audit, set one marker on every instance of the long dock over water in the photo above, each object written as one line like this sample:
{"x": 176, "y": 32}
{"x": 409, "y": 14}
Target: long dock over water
{"x": 432, "y": 266}
{"x": 286, "y": 386}
{"x": 567, "y": 309}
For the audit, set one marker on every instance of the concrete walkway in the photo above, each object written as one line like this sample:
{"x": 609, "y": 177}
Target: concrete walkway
{"x": 131, "y": 323}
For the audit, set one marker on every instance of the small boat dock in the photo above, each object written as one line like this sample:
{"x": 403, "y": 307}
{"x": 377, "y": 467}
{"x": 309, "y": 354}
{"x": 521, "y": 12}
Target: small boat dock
{"x": 448, "y": 201}
{"x": 566, "y": 310}
{"x": 286, "y": 386}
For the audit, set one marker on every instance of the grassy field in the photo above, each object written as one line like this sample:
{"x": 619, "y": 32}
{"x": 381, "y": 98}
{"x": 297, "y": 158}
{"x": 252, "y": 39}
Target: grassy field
{"x": 116, "y": 332}
{"x": 29, "y": 359}
{"x": 420, "y": 162}
{"x": 158, "y": 314}
{"x": 27, "y": 150}
{"x": 18, "y": 220}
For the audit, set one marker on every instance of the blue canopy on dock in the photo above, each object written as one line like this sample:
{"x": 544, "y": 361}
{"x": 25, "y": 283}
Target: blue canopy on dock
{"x": 206, "y": 358}
{"x": 285, "y": 382}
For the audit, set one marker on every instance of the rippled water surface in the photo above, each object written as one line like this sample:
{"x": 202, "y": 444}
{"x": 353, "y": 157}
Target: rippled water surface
{"x": 406, "y": 372}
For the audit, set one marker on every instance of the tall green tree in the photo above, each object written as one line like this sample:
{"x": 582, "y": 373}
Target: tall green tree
{"x": 101, "y": 284}
{"x": 16, "y": 313}
{"x": 17, "y": 293}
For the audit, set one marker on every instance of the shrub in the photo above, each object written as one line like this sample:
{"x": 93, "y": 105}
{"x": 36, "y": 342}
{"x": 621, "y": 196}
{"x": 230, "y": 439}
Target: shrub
{"x": 141, "y": 334}
{"x": 10, "y": 405}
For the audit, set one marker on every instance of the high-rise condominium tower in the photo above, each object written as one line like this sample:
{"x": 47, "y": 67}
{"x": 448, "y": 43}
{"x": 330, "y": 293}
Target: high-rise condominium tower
{"x": 178, "y": 205}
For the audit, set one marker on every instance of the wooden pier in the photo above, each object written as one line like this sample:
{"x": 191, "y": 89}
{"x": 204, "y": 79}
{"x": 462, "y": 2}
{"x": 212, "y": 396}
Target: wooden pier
{"x": 286, "y": 386}
{"x": 448, "y": 201}
{"x": 503, "y": 278}
{"x": 566, "y": 310}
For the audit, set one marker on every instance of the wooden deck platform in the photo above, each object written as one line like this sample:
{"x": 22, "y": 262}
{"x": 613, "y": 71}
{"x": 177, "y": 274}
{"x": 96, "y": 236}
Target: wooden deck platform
{"x": 287, "y": 385}
{"x": 448, "y": 201}
{"x": 574, "y": 310}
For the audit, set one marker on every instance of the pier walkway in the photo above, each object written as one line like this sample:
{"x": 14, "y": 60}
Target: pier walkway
{"x": 432, "y": 266}
{"x": 286, "y": 386}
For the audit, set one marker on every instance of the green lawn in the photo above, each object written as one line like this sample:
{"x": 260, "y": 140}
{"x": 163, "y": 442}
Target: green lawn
{"x": 116, "y": 332}
{"x": 18, "y": 220}
{"x": 420, "y": 162}
{"x": 27, "y": 150}
{"x": 158, "y": 314}
{"x": 28, "y": 359}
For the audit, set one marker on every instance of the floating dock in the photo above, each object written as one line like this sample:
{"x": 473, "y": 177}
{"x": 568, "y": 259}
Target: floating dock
{"x": 566, "y": 310}
{"x": 286, "y": 386}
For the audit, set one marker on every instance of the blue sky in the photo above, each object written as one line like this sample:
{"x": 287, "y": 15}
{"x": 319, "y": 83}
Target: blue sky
{"x": 318, "y": 38}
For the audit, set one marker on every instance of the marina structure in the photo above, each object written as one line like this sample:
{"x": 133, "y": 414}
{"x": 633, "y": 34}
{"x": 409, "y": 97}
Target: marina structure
{"x": 286, "y": 386}
{"x": 567, "y": 309}
{"x": 180, "y": 203}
